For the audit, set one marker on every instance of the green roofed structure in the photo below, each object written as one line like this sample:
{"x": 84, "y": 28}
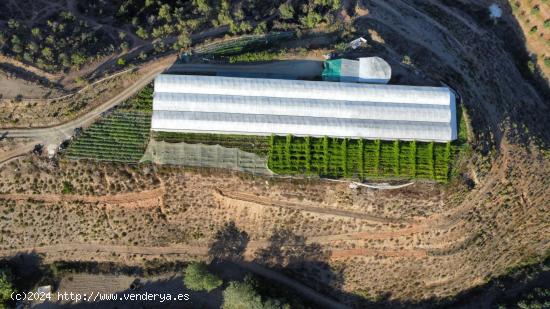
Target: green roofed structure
{"x": 365, "y": 70}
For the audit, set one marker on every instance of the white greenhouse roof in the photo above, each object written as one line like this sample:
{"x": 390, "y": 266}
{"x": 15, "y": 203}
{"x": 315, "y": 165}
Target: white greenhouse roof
{"x": 216, "y": 104}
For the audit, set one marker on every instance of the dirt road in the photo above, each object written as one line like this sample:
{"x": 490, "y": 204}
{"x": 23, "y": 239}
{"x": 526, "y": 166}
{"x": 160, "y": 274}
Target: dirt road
{"x": 183, "y": 250}
{"x": 67, "y": 129}
{"x": 54, "y": 135}
{"x": 246, "y": 197}
{"x": 122, "y": 198}
{"x": 19, "y": 151}
{"x": 295, "y": 285}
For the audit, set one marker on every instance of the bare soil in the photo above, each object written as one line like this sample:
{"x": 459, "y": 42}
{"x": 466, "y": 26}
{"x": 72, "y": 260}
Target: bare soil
{"x": 135, "y": 214}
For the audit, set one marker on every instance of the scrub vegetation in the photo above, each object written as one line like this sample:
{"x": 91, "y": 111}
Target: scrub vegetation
{"x": 534, "y": 18}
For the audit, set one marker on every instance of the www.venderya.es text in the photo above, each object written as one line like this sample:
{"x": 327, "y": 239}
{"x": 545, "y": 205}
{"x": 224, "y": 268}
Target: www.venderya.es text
{"x": 95, "y": 296}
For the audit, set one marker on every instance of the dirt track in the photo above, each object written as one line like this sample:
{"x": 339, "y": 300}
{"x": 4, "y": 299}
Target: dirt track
{"x": 81, "y": 251}
{"x": 124, "y": 198}
{"x": 228, "y": 196}
{"x": 19, "y": 151}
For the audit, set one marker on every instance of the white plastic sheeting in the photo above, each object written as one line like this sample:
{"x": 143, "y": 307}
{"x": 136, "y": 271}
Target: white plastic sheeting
{"x": 272, "y": 106}
{"x": 281, "y": 88}
{"x": 349, "y": 71}
{"x": 374, "y": 70}
{"x": 300, "y": 107}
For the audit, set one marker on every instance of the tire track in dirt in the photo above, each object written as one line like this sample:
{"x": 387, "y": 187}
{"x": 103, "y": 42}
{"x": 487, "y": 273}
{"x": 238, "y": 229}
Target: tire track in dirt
{"x": 120, "y": 249}
{"x": 348, "y": 253}
{"x": 122, "y": 198}
{"x": 60, "y": 250}
{"x": 177, "y": 250}
{"x": 416, "y": 227}
{"x": 232, "y": 196}
{"x": 22, "y": 150}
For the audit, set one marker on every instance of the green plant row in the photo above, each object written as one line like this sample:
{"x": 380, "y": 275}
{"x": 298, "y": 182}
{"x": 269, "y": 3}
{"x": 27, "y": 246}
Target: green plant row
{"x": 244, "y": 44}
{"x": 357, "y": 158}
{"x": 120, "y": 136}
{"x": 256, "y": 56}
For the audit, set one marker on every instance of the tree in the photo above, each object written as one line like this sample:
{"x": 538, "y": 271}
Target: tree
{"x": 13, "y": 24}
{"x": 16, "y": 44}
{"x": 244, "y": 295}
{"x": 142, "y": 33}
{"x": 47, "y": 53}
{"x": 36, "y": 32}
{"x": 164, "y": 12}
{"x": 286, "y": 11}
{"x": 241, "y": 295}
{"x": 202, "y": 6}
{"x": 183, "y": 41}
{"x": 6, "y": 288}
{"x": 78, "y": 59}
{"x": 245, "y": 27}
{"x": 311, "y": 19}
{"x": 33, "y": 47}
{"x": 261, "y": 28}
{"x": 198, "y": 278}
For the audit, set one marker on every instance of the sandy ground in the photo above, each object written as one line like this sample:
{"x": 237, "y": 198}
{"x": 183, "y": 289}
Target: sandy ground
{"x": 10, "y": 87}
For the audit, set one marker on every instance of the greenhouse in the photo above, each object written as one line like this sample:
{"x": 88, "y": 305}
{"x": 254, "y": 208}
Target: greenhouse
{"x": 214, "y": 104}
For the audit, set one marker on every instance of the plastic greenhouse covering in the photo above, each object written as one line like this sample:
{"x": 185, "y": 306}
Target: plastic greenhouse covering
{"x": 274, "y": 106}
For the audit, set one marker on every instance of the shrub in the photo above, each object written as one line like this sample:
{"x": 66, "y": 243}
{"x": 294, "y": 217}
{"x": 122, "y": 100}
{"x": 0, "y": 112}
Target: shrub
{"x": 68, "y": 187}
{"x": 241, "y": 295}
{"x": 6, "y": 288}
{"x": 286, "y": 11}
{"x": 198, "y": 278}
{"x": 255, "y": 56}
{"x": 311, "y": 20}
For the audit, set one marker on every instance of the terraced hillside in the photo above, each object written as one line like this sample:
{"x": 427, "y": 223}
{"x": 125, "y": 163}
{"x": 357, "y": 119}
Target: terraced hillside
{"x": 419, "y": 246}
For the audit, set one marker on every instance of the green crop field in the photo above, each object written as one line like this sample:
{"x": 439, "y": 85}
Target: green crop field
{"x": 143, "y": 100}
{"x": 333, "y": 157}
{"x": 121, "y": 136}
{"x": 244, "y": 44}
